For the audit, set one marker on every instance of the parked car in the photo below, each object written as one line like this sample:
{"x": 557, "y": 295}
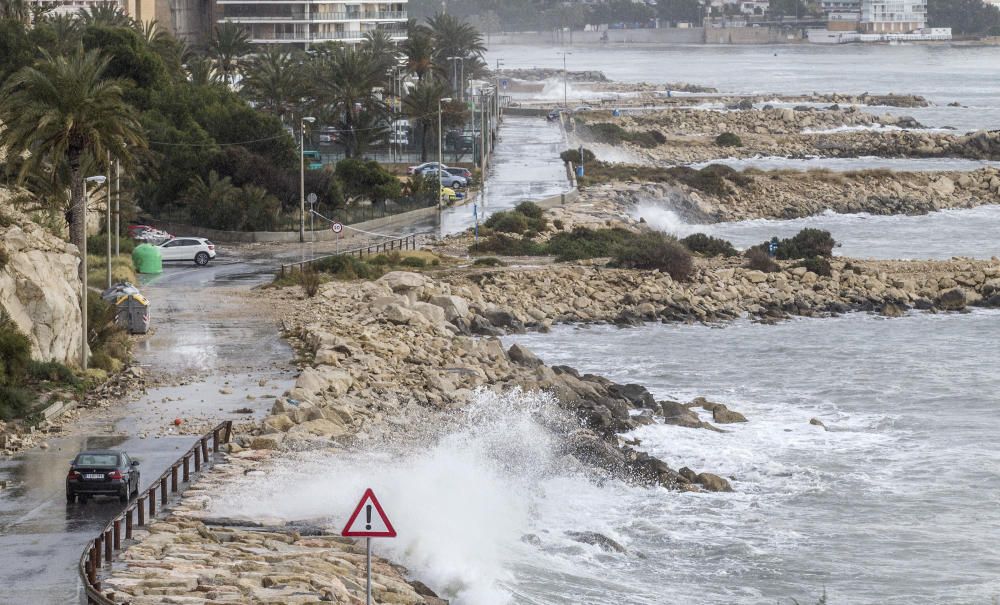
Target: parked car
{"x": 148, "y": 235}
{"x": 102, "y": 473}
{"x": 420, "y": 167}
{"x": 197, "y": 249}
{"x": 580, "y": 108}
{"x": 447, "y": 179}
{"x": 462, "y": 172}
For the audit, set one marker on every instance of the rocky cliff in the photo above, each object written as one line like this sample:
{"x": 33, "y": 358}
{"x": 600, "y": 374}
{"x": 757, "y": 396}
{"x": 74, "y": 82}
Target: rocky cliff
{"x": 39, "y": 287}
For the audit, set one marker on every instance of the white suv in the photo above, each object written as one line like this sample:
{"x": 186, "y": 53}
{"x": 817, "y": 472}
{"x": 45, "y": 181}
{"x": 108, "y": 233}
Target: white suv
{"x": 197, "y": 249}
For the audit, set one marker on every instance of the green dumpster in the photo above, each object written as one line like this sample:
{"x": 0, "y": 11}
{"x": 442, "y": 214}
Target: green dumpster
{"x": 147, "y": 259}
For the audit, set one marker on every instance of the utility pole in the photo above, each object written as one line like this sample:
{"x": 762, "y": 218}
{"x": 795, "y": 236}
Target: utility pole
{"x": 118, "y": 206}
{"x": 302, "y": 176}
{"x": 565, "y": 79}
{"x": 107, "y": 225}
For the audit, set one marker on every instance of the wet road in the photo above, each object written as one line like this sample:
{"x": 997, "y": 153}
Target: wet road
{"x": 525, "y": 166}
{"x": 220, "y": 354}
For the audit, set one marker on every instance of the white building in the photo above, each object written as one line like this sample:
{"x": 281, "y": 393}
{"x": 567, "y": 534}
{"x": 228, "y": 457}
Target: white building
{"x": 304, "y": 22}
{"x": 893, "y": 16}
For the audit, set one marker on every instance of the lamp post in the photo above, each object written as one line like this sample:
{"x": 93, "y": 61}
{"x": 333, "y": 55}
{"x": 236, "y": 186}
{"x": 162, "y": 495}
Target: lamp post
{"x": 302, "y": 176}
{"x": 83, "y": 258}
{"x": 565, "y": 78}
{"x": 107, "y": 228}
{"x": 440, "y": 160}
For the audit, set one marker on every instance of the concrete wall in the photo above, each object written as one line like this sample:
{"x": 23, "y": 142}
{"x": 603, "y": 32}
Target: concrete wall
{"x": 693, "y": 35}
{"x": 752, "y": 35}
{"x": 402, "y": 219}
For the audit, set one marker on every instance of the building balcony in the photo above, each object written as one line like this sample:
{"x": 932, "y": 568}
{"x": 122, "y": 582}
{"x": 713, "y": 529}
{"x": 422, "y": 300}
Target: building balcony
{"x": 306, "y": 37}
{"x": 318, "y": 17}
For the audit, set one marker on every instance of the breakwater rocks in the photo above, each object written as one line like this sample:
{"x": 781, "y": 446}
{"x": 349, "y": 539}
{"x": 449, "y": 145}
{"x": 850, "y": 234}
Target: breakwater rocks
{"x": 190, "y": 558}
{"x": 758, "y": 121}
{"x": 538, "y": 74}
{"x": 722, "y": 194}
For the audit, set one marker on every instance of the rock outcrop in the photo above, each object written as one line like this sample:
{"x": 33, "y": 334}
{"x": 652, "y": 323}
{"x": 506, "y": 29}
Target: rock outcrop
{"x": 39, "y": 286}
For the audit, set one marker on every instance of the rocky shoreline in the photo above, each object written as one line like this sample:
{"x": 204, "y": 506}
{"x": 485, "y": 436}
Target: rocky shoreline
{"x": 687, "y": 135}
{"x": 728, "y": 195}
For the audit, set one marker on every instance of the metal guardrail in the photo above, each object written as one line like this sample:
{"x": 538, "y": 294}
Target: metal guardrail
{"x": 396, "y": 244}
{"x": 101, "y": 550}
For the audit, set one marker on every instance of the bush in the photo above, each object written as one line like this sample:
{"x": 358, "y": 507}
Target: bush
{"x": 98, "y": 244}
{"x": 583, "y": 242}
{"x": 558, "y": 224}
{"x": 51, "y": 371}
{"x": 104, "y": 335}
{"x": 348, "y": 267}
{"x": 15, "y": 353}
{"x": 705, "y": 245}
{"x": 606, "y": 132}
{"x": 653, "y": 250}
{"x": 759, "y": 260}
{"x": 488, "y": 261}
{"x": 818, "y": 265}
{"x": 807, "y": 243}
{"x": 14, "y": 402}
{"x": 505, "y": 245}
{"x": 507, "y": 222}
{"x": 573, "y": 155}
{"x": 728, "y": 139}
{"x": 309, "y": 280}
{"x": 414, "y": 261}
{"x": 530, "y": 210}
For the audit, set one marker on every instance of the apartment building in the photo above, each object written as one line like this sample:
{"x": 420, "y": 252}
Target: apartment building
{"x": 305, "y": 22}
{"x": 892, "y": 16}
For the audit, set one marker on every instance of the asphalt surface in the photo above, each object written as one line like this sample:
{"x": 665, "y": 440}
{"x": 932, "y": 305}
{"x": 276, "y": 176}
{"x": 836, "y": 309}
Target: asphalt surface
{"x": 221, "y": 355}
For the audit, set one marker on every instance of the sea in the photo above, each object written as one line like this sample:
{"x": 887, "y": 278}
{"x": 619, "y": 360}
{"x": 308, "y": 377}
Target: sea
{"x": 895, "y": 501}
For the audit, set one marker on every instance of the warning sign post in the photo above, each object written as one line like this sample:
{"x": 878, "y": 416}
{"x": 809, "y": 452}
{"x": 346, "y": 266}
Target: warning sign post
{"x": 369, "y": 521}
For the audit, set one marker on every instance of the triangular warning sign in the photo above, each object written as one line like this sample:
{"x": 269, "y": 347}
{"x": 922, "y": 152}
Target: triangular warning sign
{"x": 369, "y": 520}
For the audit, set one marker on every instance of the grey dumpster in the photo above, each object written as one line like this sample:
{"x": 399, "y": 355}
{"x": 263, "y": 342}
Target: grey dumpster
{"x": 131, "y": 307}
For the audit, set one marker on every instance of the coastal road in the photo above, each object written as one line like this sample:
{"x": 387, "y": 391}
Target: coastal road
{"x": 212, "y": 352}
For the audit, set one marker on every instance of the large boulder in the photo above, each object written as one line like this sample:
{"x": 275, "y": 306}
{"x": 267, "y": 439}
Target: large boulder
{"x": 951, "y": 300}
{"x": 39, "y": 286}
{"x": 678, "y": 414}
{"x": 522, "y": 356}
{"x": 406, "y": 283}
{"x": 454, "y": 307}
{"x": 713, "y": 483}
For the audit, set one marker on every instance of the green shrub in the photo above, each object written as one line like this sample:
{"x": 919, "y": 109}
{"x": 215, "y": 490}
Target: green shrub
{"x": 558, "y": 224}
{"x": 381, "y": 260}
{"x": 728, "y": 139}
{"x": 654, "y": 250}
{"x": 507, "y": 222}
{"x": 348, "y": 267}
{"x": 103, "y": 361}
{"x": 583, "y": 242}
{"x": 807, "y": 243}
{"x": 310, "y": 281}
{"x": 488, "y": 261}
{"x": 530, "y": 210}
{"x": 758, "y": 259}
{"x": 505, "y": 245}
{"x": 573, "y": 155}
{"x": 98, "y": 244}
{"x": 15, "y": 353}
{"x": 609, "y": 133}
{"x": 818, "y": 265}
{"x": 14, "y": 402}
{"x": 414, "y": 261}
{"x": 51, "y": 371}
{"x": 705, "y": 245}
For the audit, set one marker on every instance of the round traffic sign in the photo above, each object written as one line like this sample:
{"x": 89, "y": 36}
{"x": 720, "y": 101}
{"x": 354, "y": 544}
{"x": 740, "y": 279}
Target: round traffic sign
{"x": 311, "y": 198}
{"x": 337, "y": 227}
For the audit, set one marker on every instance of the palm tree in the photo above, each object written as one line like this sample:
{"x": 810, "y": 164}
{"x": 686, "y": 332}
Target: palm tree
{"x": 346, "y": 78}
{"x": 201, "y": 71}
{"x": 274, "y": 81}
{"x": 106, "y": 13}
{"x": 66, "y": 32}
{"x": 422, "y": 107}
{"x": 455, "y": 38}
{"x": 61, "y": 110}
{"x": 229, "y": 44}
{"x": 418, "y": 51}
{"x": 16, "y": 10}
{"x": 382, "y": 49}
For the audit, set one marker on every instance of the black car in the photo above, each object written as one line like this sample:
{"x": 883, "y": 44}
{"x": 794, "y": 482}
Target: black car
{"x": 104, "y": 473}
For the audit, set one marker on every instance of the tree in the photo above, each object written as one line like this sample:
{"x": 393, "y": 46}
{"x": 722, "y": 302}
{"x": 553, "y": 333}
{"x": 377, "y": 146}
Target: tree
{"x": 455, "y": 38}
{"x": 274, "y": 81}
{"x": 418, "y": 51}
{"x": 229, "y": 44}
{"x": 63, "y": 109}
{"x": 963, "y": 16}
{"x": 344, "y": 89}
{"x": 366, "y": 179}
{"x": 16, "y": 10}
{"x": 201, "y": 71}
{"x": 421, "y": 105}
{"x": 107, "y": 14}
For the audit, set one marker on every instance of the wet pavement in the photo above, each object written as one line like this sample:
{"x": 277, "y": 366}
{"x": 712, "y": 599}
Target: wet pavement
{"x": 219, "y": 354}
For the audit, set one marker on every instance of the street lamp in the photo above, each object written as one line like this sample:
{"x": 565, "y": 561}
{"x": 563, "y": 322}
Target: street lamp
{"x": 440, "y": 123}
{"x": 565, "y": 78}
{"x": 302, "y": 176}
{"x": 83, "y": 258}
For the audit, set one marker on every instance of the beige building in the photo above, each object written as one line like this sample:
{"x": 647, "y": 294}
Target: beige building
{"x": 306, "y": 22}
{"x": 893, "y": 16}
